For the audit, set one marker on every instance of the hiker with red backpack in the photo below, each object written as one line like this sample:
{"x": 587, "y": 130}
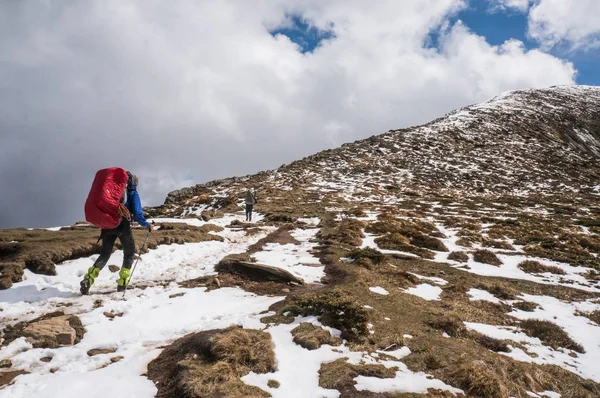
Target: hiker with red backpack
{"x": 113, "y": 204}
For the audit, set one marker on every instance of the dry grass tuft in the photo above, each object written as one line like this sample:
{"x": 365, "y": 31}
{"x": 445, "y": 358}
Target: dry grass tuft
{"x": 593, "y": 316}
{"x": 432, "y": 362}
{"x": 339, "y": 374}
{"x": 211, "y": 364}
{"x": 550, "y": 334}
{"x": 486, "y": 257}
{"x": 11, "y": 273}
{"x": 479, "y": 379}
{"x": 535, "y": 267}
{"x": 312, "y": 337}
{"x": 280, "y": 236}
{"x": 491, "y": 343}
{"x": 461, "y": 257}
{"x": 348, "y": 232}
{"x": 497, "y": 244}
{"x": 428, "y": 242}
{"x": 396, "y": 241}
{"x": 273, "y": 383}
{"x": 373, "y": 256}
{"x": 527, "y": 306}
{"x": 465, "y": 242}
{"x": 336, "y": 310}
{"x": 449, "y": 323}
{"x": 503, "y": 292}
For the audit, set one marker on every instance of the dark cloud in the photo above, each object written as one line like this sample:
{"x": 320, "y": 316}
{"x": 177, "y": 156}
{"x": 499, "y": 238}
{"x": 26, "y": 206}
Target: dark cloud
{"x": 197, "y": 90}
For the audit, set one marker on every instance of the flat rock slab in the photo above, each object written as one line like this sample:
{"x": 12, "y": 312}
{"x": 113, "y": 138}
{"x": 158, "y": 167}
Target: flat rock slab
{"x": 8, "y": 377}
{"x": 51, "y": 332}
{"x": 99, "y": 351}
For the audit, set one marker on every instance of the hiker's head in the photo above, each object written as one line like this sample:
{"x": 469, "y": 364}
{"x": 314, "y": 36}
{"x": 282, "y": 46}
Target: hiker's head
{"x": 132, "y": 182}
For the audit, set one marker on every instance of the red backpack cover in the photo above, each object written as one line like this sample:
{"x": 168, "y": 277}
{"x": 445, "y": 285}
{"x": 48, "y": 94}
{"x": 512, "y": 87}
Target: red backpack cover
{"x": 102, "y": 204}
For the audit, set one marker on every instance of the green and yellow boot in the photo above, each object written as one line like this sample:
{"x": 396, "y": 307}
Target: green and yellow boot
{"x": 88, "y": 280}
{"x": 123, "y": 280}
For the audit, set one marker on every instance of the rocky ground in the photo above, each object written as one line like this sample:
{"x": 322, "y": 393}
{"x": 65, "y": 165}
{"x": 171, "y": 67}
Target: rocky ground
{"x": 455, "y": 258}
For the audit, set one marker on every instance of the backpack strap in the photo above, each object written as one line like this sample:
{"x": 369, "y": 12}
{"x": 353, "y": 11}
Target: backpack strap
{"x": 124, "y": 212}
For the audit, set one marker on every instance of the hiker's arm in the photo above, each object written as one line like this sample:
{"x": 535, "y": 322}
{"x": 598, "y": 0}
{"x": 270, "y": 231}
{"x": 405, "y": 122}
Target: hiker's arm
{"x": 138, "y": 213}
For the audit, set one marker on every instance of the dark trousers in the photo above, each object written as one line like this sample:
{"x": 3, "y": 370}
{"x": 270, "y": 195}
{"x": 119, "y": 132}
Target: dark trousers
{"x": 109, "y": 236}
{"x": 249, "y": 212}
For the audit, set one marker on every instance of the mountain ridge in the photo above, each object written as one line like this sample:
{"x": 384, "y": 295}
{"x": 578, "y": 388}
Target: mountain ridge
{"x": 534, "y": 141}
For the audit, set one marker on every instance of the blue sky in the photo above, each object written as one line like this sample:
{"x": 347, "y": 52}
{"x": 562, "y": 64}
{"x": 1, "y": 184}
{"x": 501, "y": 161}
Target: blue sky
{"x": 496, "y": 26}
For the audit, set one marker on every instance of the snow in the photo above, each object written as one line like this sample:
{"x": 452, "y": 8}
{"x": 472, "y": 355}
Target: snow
{"x": 297, "y": 366}
{"x": 150, "y": 317}
{"x": 573, "y": 277}
{"x": 379, "y": 290}
{"x": 438, "y": 281}
{"x": 579, "y": 328}
{"x": 482, "y": 295}
{"x": 369, "y": 242}
{"x": 296, "y": 259}
{"x": 425, "y": 291}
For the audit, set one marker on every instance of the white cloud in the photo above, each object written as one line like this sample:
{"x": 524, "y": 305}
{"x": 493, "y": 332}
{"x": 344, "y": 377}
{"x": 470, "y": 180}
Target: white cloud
{"x": 576, "y": 23}
{"x": 198, "y": 90}
{"x": 518, "y": 5}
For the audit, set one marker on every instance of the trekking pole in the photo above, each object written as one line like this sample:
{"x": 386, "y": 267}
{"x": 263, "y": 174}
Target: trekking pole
{"x": 136, "y": 261}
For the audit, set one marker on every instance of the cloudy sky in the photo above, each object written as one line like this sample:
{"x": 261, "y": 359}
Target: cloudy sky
{"x": 182, "y": 92}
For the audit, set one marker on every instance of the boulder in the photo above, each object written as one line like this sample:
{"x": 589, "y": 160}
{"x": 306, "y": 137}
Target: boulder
{"x": 51, "y": 333}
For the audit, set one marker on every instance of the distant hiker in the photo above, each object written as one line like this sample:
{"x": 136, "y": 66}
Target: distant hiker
{"x": 122, "y": 211}
{"x": 250, "y": 202}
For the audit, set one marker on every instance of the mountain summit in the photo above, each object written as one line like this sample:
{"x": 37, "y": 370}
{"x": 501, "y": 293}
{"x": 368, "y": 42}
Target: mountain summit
{"x": 528, "y": 142}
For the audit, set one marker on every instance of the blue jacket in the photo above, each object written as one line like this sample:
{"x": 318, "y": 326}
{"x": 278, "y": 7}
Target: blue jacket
{"x": 134, "y": 204}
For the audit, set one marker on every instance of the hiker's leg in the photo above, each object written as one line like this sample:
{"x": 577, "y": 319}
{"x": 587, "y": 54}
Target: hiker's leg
{"x": 250, "y": 212}
{"x": 128, "y": 244}
{"x": 108, "y": 241}
{"x": 247, "y": 211}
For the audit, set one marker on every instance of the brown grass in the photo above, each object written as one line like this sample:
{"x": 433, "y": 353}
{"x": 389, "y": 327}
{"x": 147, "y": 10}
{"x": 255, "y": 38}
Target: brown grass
{"x": 334, "y": 309}
{"x": 499, "y": 290}
{"x": 525, "y": 306}
{"x": 428, "y": 242}
{"x": 535, "y": 267}
{"x": 486, "y": 257}
{"x": 459, "y": 256}
{"x": 491, "y": 343}
{"x": 273, "y": 383}
{"x": 280, "y": 236}
{"x": 11, "y": 272}
{"x": 39, "y": 250}
{"x": 432, "y": 362}
{"x": 211, "y": 364}
{"x": 497, "y": 244}
{"x": 312, "y": 337}
{"x": 359, "y": 255}
{"x": 339, "y": 374}
{"x": 550, "y": 334}
{"x": 465, "y": 242}
{"x": 479, "y": 379}
{"x": 450, "y": 323}
{"x": 593, "y": 316}
{"x": 348, "y": 232}
{"x": 396, "y": 241}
